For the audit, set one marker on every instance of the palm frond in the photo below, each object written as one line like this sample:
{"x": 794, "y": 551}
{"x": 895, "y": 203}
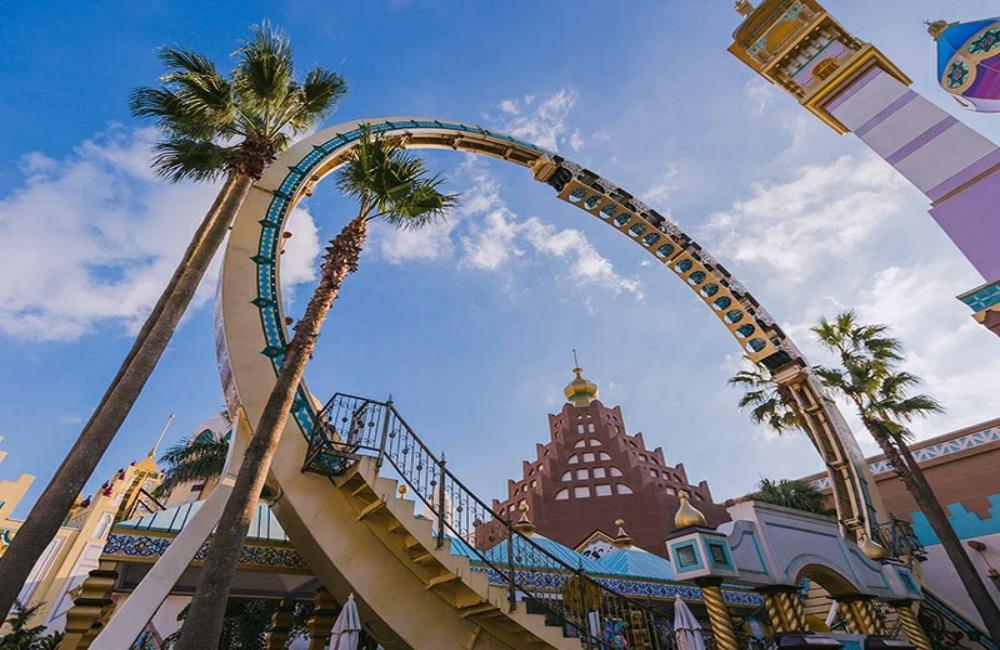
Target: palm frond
{"x": 194, "y": 460}
{"x": 315, "y": 99}
{"x": 869, "y": 376}
{"x": 181, "y": 158}
{"x": 391, "y": 183}
{"x": 767, "y": 402}
{"x": 264, "y": 70}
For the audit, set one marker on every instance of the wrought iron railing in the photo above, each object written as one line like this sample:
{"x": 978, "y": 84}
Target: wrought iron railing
{"x": 897, "y": 537}
{"x": 351, "y": 427}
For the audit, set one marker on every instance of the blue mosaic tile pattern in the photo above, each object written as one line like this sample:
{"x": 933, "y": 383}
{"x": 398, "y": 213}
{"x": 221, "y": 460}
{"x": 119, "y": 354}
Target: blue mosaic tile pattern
{"x": 554, "y": 581}
{"x": 152, "y": 547}
{"x": 983, "y": 298}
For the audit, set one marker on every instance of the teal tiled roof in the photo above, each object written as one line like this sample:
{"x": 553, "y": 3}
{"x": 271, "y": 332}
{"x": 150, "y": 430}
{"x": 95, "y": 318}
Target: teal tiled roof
{"x": 263, "y": 527}
{"x": 636, "y": 563}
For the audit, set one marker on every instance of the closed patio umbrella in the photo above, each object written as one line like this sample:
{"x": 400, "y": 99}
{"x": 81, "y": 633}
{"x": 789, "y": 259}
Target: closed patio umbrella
{"x": 347, "y": 628}
{"x": 687, "y": 629}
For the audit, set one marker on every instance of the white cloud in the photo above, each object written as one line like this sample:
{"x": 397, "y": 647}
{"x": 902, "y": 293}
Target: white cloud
{"x": 429, "y": 244}
{"x": 543, "y": 122}
{"x": 850, "y": 234}
{"x": 759, "y": 93}
{"x": 299, "y": 263}
{"x": 504, "y": 237}
{"x": 587, "y": 265}
{"x": 663, "y": 187}
{"x": 92, "y": 239}
{"x": 827, "y": 210}
{"x": 944, "y": 345}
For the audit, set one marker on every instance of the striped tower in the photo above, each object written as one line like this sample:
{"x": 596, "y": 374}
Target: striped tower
{"x": 852, "y": 87}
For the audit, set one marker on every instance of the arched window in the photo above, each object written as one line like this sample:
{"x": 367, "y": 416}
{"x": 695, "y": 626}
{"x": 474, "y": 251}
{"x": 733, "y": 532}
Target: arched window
{"x": 567, "y": 476}
{"x": 562, "y": 494}
{"x": 604, "y": 456}
{"x": 104, "y": 525}
{"x": 594, "y": 442}
{"x": 621, "y": 488}
{"x": 573, "y": 460}
{"x": 615, "y": 471}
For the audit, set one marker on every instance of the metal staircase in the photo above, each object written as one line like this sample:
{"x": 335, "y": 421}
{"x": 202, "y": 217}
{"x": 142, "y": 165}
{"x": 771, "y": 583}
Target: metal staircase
{"x": 355, "y": 434}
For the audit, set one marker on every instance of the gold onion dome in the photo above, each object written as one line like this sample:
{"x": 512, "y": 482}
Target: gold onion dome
{"x": 872, "y": 549}
{"x": 622, "y": 539}
{"x": 581, "y": 391}
{"x": 687, "y": 515}
{"x": 524, "y": 525}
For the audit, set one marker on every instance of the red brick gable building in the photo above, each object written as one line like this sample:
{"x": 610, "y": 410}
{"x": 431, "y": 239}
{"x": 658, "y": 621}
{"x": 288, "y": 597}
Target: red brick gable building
{"x": 592, "y": 472}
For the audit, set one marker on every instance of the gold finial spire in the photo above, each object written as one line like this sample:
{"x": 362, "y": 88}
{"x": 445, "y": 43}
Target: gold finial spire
{"x": 159, "y": 438}
{"x": 872, "y": 549}
{"x": 743, "y": 7}
{"x": 687, "y": 515}
{"x": 622, "y": 539}
{"x": 581, "y": 391}
{"x": 524, "y": 525}
{"x": 937, "y": 27}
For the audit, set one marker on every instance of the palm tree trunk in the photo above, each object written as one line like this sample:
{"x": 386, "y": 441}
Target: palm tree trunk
{"x": 48, "y": 513}
{"x": 203, "y": 625}
{"x": 909, "y": 471}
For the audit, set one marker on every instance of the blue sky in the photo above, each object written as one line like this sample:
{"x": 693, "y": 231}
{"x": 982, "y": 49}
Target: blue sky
{"x": 470, "y": 324}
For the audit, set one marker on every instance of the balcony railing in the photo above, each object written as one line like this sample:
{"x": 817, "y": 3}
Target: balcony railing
{"x": 897, "y": 537}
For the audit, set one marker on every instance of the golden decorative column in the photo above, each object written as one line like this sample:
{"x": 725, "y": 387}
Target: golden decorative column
{"x": 774, "y": 612}
{"x": 854, "y": 626}
{"x": 281, "y": 625}
{"x": 860, "y": 616}
{"x": 325, "y": 610}
{"x": 718, "y": 615}
{"x": 89, "y": 607}
{"x": 784, "y": 607}
{"x": 914, "y": 631}
{"x": 791, "y": 610}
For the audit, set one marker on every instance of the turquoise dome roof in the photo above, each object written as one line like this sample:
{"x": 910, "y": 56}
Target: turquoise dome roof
{"x": 637, "y": 563}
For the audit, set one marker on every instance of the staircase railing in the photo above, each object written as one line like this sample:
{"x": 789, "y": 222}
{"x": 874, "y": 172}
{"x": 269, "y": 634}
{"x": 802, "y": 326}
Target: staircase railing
{"x": 898, "y": 538}
{"x": 351, "y": 427}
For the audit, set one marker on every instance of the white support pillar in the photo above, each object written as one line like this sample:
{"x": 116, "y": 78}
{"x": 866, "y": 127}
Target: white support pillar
{"x": 129, "y": 620}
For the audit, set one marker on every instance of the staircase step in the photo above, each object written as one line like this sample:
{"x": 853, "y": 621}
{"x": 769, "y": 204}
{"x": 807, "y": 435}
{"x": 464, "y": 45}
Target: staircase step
{"x": 361, "y": 489}
{"x": 424, "y": 558}
{"x": 442, "y": 579}
{"x": 482, "y": 610}
{"x": 370, "y": 509}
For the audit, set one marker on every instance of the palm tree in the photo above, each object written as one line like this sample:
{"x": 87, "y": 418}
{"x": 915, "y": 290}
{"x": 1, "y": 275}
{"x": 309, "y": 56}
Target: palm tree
{"x": 198, "y": 459}
{"x": 768, "y": 401}
{"x": 870, "y": 379}
{"x": 791, "y": 493}
{"x": 390, "y": 185}
{"x": 22, "y": 636}
{"x": 212, "y": 127}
